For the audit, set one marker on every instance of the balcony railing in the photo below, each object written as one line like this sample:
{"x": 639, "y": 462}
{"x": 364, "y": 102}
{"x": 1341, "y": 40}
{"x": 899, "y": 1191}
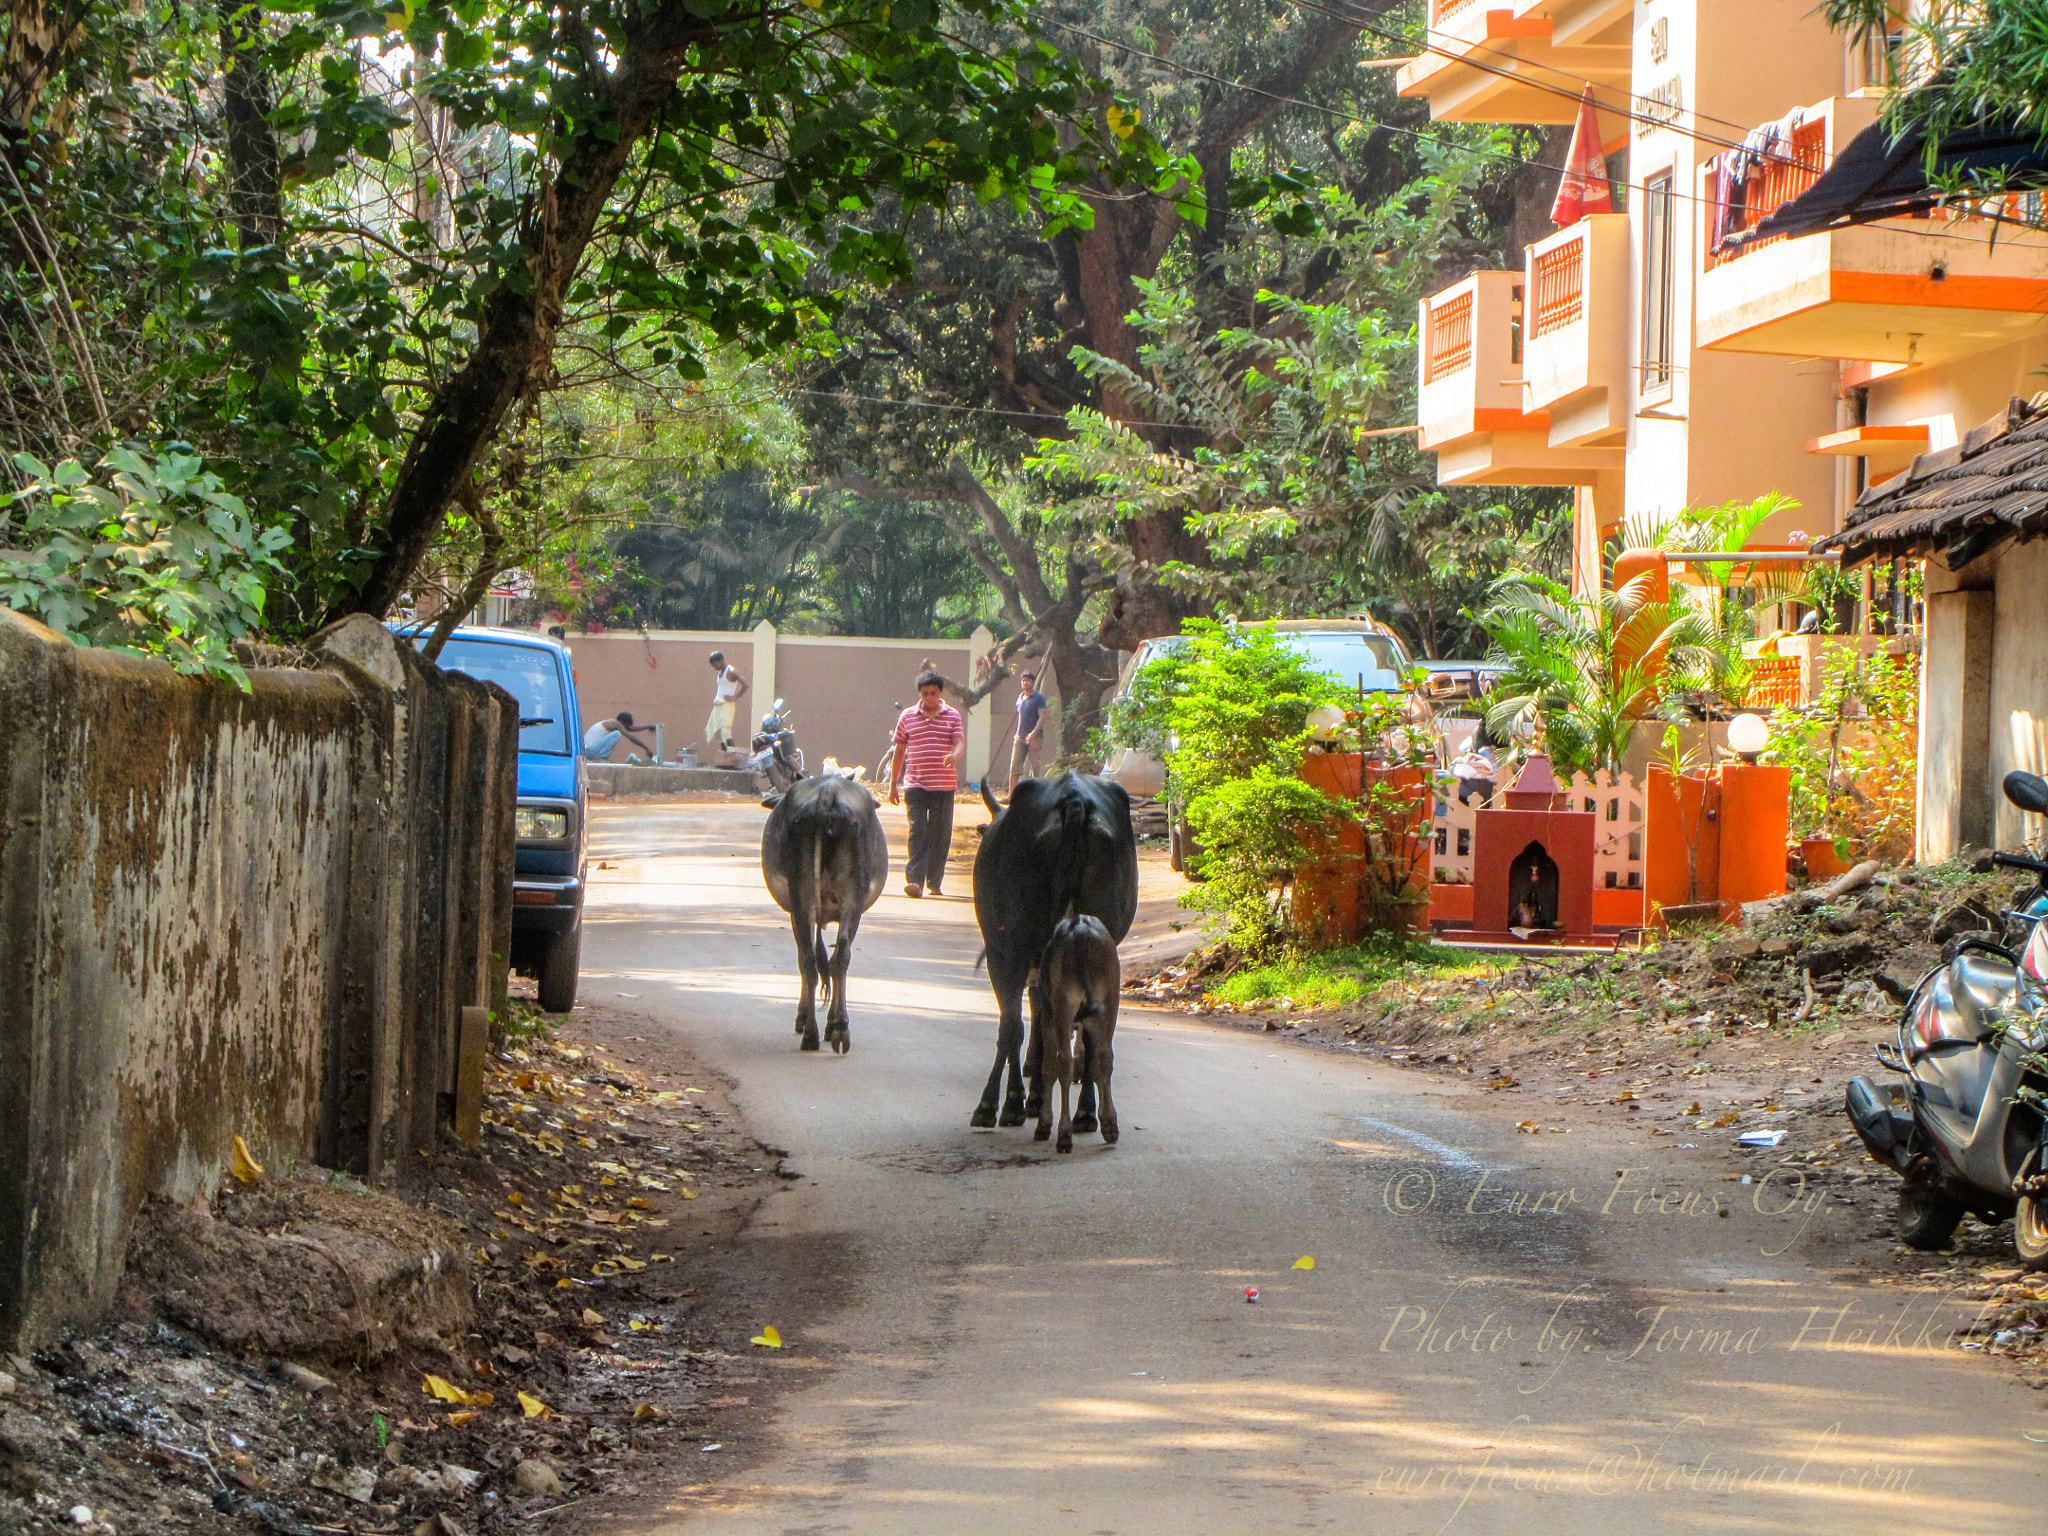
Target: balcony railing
{"x": 1441, "y": 11}
{"x": 1448, "y": 347}
{"x": 1560, "y": 297}
{"x": 1782, "y": 176}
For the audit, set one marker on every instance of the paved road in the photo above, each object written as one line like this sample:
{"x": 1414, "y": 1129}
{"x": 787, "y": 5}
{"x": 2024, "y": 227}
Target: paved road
{"x": 990, "y": 1339}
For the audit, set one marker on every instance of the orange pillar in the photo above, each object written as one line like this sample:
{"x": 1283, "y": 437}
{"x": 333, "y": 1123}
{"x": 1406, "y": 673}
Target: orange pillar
{"x": 1637, "y": 635}
{"x": 1326, "y": 883}
{"x": 1755, "y": 821}
{"x": 1682, "y": 838}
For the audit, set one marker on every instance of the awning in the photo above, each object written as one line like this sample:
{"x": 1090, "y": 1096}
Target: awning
{"x": 1882, "y": 174}
{"x": 1960, "y": 502}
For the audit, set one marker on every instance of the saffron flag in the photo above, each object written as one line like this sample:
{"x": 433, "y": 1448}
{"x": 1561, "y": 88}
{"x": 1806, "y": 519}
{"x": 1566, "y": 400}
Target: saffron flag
{"x": 1582, "y": 188}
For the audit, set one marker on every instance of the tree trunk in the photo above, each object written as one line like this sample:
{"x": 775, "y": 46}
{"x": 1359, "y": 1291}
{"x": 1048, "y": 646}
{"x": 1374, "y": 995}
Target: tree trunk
{"x": 255, "y": 167}
{"x": 516, "y": 336}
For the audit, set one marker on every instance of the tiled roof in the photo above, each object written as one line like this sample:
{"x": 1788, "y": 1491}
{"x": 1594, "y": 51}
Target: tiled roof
{"x": 1960, "y": 501}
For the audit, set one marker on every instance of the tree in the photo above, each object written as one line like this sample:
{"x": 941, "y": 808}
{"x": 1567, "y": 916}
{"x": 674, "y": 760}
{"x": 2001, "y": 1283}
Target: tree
{"x": 420, "y": 207}
{"x": 1586, "y": 674}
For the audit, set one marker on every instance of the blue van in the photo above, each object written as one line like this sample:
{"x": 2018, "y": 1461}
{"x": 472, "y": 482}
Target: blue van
{"x": 547, "y": 887}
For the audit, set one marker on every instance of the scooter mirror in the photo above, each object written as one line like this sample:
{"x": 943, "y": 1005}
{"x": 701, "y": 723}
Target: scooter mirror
{"x": 2028, "y": 791}
{"x": 778, "y": 706}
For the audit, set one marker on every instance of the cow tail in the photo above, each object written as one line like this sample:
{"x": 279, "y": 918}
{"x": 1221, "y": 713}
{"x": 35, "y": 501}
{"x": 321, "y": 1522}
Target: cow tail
{"x": 1073, "y": 846}
{"x": 818, "y": 829}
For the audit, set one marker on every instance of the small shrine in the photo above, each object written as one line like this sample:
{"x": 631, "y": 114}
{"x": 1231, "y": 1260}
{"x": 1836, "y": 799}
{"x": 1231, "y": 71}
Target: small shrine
{"x": 1532, "y": 865}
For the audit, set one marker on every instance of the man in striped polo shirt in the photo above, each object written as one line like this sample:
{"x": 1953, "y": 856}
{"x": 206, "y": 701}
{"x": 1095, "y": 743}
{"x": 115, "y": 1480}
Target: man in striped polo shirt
{"x": 930, "y": 741}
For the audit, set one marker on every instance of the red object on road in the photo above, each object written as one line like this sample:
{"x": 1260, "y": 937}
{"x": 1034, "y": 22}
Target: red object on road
{"x": 1251, "y": 1293}
{"x": 1582, "y": 188}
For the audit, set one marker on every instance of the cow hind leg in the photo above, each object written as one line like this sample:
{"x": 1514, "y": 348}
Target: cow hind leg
{"x": 1042, "y": 1113}
{"x": 1065, "y": 1046}
{"x": 807, "y": 965}
{"x": 838, "y": 1028}
{"x": 1101, "y": 1063}
{"x": 1084, "y": 1113}
{"x": 1009, "y": 1037}
{"x": 1034, "y": 1054}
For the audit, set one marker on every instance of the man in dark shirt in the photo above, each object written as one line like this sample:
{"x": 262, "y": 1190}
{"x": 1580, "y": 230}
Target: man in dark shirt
{"x": 1031, "y": 707}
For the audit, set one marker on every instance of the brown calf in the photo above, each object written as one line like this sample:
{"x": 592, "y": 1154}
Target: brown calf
{"x": 1079, "y": 979}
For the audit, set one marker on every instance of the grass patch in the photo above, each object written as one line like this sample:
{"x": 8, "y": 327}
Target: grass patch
{"x": 1339, "y": 976}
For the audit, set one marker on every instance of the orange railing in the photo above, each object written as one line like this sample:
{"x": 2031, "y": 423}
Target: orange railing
{"x": 1448, "y": 346}
{"x": 1784, "y": 174}
{"x": 1560, "y": 287}
{"x": 1775, "y": 682}
{"x": 1441, "y": 11}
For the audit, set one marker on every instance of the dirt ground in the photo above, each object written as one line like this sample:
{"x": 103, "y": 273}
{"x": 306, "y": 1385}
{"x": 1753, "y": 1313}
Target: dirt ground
{"x": 1704, "y": 1039}
{"x": 544, "y": 1331}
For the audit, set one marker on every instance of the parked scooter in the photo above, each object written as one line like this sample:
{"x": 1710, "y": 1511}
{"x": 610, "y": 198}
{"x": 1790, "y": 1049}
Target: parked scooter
{"x": 777, "y": 761}
{"x": 1965, "y": 1123}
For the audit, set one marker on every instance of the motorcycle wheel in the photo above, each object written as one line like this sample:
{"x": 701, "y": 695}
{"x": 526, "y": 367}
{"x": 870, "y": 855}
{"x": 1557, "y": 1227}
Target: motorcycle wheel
{"x": 1925, "y": 1220}
{"x": 2030, "y": 1232}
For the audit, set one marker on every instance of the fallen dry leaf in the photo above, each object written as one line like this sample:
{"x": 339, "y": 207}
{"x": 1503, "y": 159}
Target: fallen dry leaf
{"x": 245, "y": 1167}
{"x": 767, "y": 1338}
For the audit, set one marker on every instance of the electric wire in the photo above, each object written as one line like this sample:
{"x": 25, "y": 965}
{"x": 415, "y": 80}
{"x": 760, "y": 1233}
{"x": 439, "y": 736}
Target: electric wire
{"x": 1194, "y": 72}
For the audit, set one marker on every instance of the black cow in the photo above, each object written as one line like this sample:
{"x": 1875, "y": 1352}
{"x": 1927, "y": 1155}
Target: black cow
{"x": 826, "y": 861}
{"x": 1060, "y": 846}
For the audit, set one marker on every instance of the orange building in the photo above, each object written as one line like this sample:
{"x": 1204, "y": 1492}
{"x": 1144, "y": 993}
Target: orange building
{"x": 1660, "y": 358}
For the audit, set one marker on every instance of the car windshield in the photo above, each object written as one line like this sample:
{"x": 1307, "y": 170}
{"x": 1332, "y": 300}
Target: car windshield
{"x": 531, "y": 676}
{"x": 1350, "y": 656}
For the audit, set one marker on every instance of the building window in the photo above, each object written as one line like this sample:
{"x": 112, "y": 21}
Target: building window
{"x": 1657, "y": 278}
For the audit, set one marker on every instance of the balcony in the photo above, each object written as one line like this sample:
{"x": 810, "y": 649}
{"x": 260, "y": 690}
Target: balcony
{"x": 1575, "y": 356}
{"x": 1471, "y": 402}
{"x": 1912, "y": 290}
{"x": 1520, "y": 61}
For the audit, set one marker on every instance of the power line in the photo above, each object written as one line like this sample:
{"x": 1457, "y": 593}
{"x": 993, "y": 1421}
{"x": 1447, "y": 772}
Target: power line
{"x": 1413, "y": 133}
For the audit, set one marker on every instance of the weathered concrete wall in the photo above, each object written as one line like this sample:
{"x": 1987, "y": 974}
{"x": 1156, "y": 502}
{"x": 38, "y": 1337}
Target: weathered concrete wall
{"x": 229, "y": 913}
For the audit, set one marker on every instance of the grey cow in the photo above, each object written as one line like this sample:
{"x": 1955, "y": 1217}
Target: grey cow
{"x": 826, "y": 861}
{"x": 1078, "y": 980}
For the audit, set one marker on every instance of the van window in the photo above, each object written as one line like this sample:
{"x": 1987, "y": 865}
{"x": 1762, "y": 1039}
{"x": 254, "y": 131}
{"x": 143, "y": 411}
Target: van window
{"x": 532, "y": 676}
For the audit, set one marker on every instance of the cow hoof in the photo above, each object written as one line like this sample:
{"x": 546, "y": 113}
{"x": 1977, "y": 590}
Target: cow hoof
{"x": 837, "y": 1039}
{"x": 1013, "y": 1114}
{"x": 1031, "y": 1108}
{"x": 1108, "y": 1133}
{"x": 810, "y": 1042}
{"x": 1066, "y": 1141}
{"x": 1084, "y": 1123}
{"x": 983, "y": 1118}
{"x": 1043, "y": 1132}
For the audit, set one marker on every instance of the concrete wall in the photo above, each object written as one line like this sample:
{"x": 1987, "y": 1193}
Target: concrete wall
{"x": 229, "y": 913}
{"x": 843, "y": 691}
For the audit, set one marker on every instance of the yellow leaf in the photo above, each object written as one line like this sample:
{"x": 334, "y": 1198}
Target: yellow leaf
{"x": 1121, "y": 123}
{"x": 464, "y": 1416}
{"x": 533, "y": 1407}
{"x": 565, "y": 1285}
{"x": 767, "y": 1338}
{"x": 638, "y": 1203}
{"x": 637, "y": 1326}
{"x": 448, "y": 1392}
{"x": 245, "y": 1167}
{"x": 689, "y": 1194}
{"x": 1305, "y": 1262}
{"x": 625, "y": 1263}
{"x": 660, "y": 1258}
{"x": 649, "y": 1411}
{"x": 592, "y": 1318}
